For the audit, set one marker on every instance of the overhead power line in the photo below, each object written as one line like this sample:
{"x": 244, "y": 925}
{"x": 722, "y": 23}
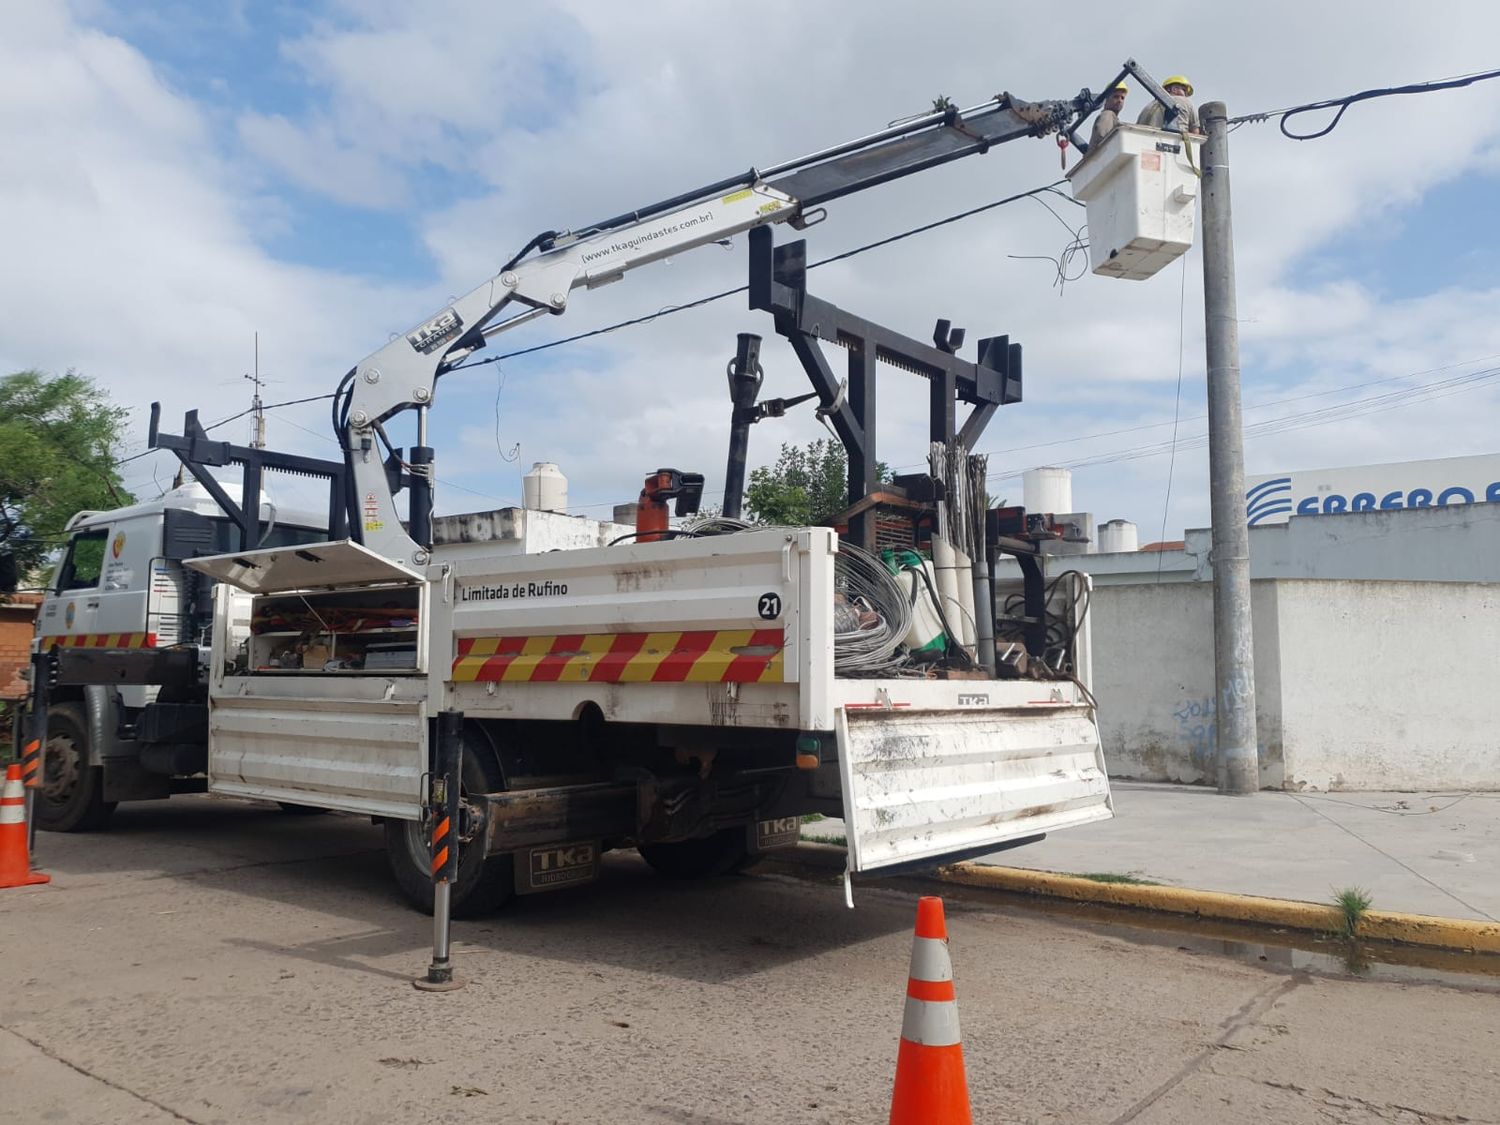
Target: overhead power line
{"x": 670, "y": 309}
{"x": 1339, "y": 412}
{"x": 1079, "y": 439}
{"x": 701, "y": 301}
{"x": 1343, "y": 103}
{"x": 226, "y": 421}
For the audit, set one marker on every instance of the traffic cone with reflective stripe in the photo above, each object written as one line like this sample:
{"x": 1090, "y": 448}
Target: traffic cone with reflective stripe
{"x": 930, "y": 1084}
{"x": 15, "y": 859}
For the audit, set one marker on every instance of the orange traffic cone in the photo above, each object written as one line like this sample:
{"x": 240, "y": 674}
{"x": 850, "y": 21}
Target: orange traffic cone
{"x": 15, "y": 859}
{"x": 930, "y": 1085}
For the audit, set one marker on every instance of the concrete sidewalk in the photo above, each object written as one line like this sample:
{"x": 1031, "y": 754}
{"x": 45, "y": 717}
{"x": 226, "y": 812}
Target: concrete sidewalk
{"x": 1419, "y": 853}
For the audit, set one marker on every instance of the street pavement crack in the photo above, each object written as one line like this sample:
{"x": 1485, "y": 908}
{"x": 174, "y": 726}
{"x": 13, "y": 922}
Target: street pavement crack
{"x": 55, "y": 1057}
{"x": 1380, "y": 1109}
{"x": 1244, "y": 1016}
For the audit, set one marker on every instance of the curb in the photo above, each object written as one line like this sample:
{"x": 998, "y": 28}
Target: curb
{"x": 1459, "y": 934}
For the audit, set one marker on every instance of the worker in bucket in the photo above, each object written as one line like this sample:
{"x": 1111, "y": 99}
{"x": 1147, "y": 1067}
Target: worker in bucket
{"x": 1109, "y": 116}
{"x": 1181, "y": 91}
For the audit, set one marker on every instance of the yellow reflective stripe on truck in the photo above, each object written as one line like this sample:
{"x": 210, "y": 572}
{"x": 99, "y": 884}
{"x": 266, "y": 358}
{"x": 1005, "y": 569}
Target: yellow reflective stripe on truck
{"x": 707, "y": 656}
{"x": 99, "y": 640}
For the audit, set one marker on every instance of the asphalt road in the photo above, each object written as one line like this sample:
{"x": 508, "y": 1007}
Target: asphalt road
{"x": 212, "y": 961}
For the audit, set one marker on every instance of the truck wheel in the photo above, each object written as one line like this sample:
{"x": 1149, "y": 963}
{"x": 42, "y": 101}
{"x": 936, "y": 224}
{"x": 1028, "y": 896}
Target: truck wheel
{"x": 71, "y": 797}
{"x": 483, "y": 885}
{"x": 720, "y": 854}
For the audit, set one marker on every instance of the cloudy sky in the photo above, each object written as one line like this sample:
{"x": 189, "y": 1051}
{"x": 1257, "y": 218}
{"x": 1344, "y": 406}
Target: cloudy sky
{"x": 178, "y": 176}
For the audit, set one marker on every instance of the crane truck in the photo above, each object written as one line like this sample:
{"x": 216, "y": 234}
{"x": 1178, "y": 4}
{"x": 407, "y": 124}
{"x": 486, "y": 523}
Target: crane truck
{"x": 686, "y": 694}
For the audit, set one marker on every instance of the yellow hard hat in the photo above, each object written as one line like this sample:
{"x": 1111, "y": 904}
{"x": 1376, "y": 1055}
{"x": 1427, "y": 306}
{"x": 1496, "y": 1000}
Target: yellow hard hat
{"x": 1179, "y": 80}
{"x": 1120, "y": 86}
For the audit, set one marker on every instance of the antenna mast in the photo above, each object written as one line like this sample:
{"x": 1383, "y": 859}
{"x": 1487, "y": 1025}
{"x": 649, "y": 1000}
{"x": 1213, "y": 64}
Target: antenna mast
{"x": 258, "y": 434}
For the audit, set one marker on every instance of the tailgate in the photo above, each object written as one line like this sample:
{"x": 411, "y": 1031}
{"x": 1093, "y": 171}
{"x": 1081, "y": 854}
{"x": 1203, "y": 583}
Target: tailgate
{"x": 923, "y": 787}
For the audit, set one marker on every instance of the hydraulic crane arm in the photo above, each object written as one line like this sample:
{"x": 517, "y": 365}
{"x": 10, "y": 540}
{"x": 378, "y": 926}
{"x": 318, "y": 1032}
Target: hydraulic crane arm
{"x": 402, "y": 374}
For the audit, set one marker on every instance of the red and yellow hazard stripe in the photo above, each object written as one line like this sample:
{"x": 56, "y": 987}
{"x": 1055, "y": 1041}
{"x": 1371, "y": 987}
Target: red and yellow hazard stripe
{"x": 751, "y": 656}
{"x": 99, "y": 640}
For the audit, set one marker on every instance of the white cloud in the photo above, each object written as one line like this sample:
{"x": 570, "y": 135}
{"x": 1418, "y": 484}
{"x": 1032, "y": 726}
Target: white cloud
{"x": 313, "y": 158}
{"x": 139, "y": 225}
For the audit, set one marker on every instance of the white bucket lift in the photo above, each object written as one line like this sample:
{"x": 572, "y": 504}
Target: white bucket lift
{"x": 1141, "y": 189}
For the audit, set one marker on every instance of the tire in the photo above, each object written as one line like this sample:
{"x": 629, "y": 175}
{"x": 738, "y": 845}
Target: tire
{"x": 300, "y": 810}
{"x": 71, "y": 797}
{"x": 482, "y": 886}
{"x": 723, "y": 853}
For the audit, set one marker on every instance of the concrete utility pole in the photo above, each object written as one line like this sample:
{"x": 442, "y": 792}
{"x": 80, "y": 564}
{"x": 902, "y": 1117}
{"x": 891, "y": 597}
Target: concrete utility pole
{"x": 1234, "y": 649}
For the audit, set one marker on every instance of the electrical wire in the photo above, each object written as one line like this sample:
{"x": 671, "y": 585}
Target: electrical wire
{"x": 1060, "y": 654}
{"x": 1341, "y": 412}
{"x": 1343, "y": 103}
{"x": 871, "y": 621}
{"x": 237, "y": 417}
{"x": 1080, "y": 438}
{"x": 1063, "y": 264}
{"x": 266, "y": 406}
{"x": 1166, "y": 504}
{"x": 871, "y": 614}
{"x": 669, "y": 310}
{"x": 340, "y": 394}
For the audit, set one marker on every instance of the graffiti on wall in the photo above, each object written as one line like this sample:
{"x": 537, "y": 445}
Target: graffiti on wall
{"x": 1197, "y": 730}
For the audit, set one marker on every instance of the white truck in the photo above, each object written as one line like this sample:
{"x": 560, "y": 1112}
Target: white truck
{"x": 682, "y": 694}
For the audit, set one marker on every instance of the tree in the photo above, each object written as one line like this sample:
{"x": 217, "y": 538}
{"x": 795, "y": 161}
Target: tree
{"x": 59, "y": 440}
{"x": 806, "y": 488}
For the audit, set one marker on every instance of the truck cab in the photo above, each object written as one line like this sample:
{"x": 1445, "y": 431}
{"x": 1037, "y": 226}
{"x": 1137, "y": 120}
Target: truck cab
{"x": 118, "y": 593}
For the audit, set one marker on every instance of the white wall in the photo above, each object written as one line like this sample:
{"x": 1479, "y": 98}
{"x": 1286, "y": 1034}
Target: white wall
{"x": 1391, "y": 685}
{"x": 1154, "y": 679}
{"x": 1376, "y": 644}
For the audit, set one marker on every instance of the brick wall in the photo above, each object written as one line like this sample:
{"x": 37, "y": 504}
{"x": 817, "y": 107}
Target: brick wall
{"x": 17, "y": 622}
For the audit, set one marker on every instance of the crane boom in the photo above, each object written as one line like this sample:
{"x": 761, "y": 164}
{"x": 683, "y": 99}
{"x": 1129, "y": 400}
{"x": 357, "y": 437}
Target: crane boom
{"x": 402, "y": 375}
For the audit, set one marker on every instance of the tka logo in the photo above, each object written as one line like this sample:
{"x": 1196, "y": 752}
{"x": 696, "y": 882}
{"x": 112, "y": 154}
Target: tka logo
{"x": 558, "y": 859}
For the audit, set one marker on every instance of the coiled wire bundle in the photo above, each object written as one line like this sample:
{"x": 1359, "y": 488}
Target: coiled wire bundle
{"x": 871, "y": 614}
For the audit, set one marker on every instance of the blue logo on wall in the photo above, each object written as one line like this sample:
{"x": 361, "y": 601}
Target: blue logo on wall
{"x": 1269, "y": 498}
{"x": 1274, "y": 498}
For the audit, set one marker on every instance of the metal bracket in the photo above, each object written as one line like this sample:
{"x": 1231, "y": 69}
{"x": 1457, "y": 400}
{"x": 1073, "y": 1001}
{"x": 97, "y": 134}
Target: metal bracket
{"x": 778, "y": 285}
{"x": 198, "y": 453}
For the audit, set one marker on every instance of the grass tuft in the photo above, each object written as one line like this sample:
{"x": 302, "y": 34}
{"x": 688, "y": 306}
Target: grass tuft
{"x": 1352, "y": 903}
{"x": 1114, "y": 877}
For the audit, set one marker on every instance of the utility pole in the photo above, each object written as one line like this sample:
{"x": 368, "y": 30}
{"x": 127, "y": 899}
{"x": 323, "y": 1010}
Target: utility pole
{"x": 258, "y": 435}
{"x": 1234, "y": 649}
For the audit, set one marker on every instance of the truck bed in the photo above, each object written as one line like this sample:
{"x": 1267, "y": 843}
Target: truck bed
{"x": 731, "y": 632}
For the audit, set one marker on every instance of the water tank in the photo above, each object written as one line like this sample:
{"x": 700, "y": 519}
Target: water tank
{"x": 1047, "y": 490}
{"x": 544, "y": 489}
{"x": 1118, "y": 536}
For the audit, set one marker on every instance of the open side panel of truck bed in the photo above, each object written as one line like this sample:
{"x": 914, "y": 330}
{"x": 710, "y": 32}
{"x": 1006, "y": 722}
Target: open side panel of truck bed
{"x": 327, "y": 702}
{"x": 359, "y": 755}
